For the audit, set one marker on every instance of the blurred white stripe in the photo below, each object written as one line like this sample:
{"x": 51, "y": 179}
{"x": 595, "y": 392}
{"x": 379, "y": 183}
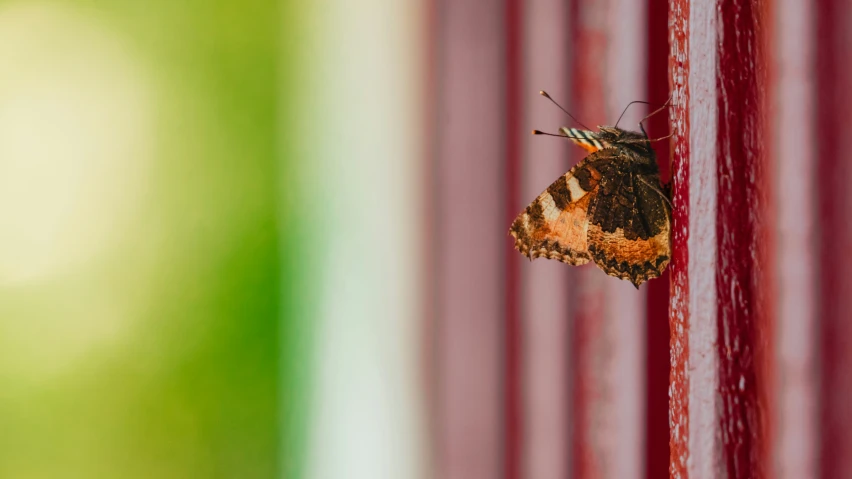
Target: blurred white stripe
{"x": 364, "y": 152}
{"x": 704, "y": 439}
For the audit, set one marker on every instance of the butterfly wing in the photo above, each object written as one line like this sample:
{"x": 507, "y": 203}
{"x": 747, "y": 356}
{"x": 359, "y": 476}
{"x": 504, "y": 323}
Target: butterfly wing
{"x": 629, "y": 224}
{"x": 555, "y": 225}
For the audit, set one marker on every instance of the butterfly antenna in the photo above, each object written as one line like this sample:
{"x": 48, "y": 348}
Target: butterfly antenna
{"x": 544, "y": 94}
{"x": 539, "y": 132}
{"x": 625, "y": 110}
{"x": 666, "y": 104}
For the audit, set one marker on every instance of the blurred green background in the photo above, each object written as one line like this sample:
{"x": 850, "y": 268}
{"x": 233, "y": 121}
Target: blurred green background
{"x": 140, "y": 275}
{"x": 210, "y": 239}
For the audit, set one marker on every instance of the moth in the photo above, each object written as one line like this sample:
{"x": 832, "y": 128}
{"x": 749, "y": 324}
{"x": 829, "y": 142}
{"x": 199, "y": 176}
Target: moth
{"x": 610, "y": 208}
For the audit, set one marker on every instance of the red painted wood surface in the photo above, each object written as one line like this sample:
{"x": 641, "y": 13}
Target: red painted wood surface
{"x": 679, "y": 65}
{"x": 512, "y": 334}
{"x": 742, "y": 237}
{"x": 624, "y": 341}
{"x": 470, "y": 241}
{"x": 834, "y": 144}
{"x": 608, "y": 334}
{"x": 720, "y": 332}
{"x": 588, "y": 103}
{"x": 546, "y": 285}
{"x": 793, "y": 380}
{"x": 746, "y": 296}
{"x": 658, "y": 337}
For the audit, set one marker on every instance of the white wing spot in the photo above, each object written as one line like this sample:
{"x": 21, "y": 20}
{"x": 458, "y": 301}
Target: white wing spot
{"x": 548, "y": 207}
{"x": 574, "y": 188}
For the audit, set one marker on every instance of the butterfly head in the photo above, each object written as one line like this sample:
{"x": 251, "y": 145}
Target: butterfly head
{"x": 630, "y": 141}
{"x": 614, "y": 135}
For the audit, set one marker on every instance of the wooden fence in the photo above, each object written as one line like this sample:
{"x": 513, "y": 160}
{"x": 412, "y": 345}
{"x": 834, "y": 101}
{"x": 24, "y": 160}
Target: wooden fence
{"x": 738, "y": 361}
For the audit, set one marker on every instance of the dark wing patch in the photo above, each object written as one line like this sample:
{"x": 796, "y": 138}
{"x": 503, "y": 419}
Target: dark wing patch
{"x": 629, "y": 224}
{"x": 560, "y": 193}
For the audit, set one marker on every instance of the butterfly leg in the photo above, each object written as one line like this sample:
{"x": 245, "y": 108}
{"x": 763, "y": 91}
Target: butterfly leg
{"x": 664, "y": 196}
{"x": 663, "y": 138}
{"x": 666, "y": 105}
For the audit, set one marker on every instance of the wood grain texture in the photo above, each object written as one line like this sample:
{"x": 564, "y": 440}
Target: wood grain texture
{"x": 742, "y": 238}
{"x": 679, "y": 66}
{"x": 719, "y": 305}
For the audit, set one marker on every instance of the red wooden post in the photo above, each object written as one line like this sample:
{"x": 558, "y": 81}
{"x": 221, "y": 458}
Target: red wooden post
{"x": 719, "y": 310}
{"x": 545, "y": 285}
{"x": 512, "y": 385}
{"x": 793, "y": 378}
{"x": 625, "y": 307}
{"x": 608, "y": 333}
{"x": 744, "y": 287}
{"x": 834, "y": 144}
{"x": 588, "y": 103}
{"x": 470, "y": 241}
{"x": 658, "y": 338}
{"x": 679, "y": 397}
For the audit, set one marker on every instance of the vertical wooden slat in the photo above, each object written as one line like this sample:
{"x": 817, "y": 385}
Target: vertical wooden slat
{"x": 704, "y": 435}
{"x": 719, "y": 306}
{"x": 470, "y": 239}
{"x": 794, "y": 377}
{"x": 512, "y": 385}
{"x": 546, "y": 291}
{"x": 680, "y": 67}
{"x": 657, "y": 329}
{"x": 590, "y": 456}
{"x": 834, "y": 122}
{"x": 608, "y": 336}
{"x": 742, "y": 237}
{"x": 625, "y": 307}
{"x": 695, "y": 427}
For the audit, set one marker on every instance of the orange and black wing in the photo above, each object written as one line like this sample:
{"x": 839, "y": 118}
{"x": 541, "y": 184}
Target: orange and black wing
{"x": 629, "y": 224}
{"x": 555, "y": 225}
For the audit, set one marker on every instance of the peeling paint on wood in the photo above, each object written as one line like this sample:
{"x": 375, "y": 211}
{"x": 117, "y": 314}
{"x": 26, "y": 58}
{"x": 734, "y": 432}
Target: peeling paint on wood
{"x": 679, "y": 296}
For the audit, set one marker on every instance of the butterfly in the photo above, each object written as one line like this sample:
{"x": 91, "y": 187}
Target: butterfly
{"x": 609, "y": 208}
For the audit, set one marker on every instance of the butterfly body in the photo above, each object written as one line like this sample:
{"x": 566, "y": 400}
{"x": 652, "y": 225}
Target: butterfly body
{"x": 609, "y": 209}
